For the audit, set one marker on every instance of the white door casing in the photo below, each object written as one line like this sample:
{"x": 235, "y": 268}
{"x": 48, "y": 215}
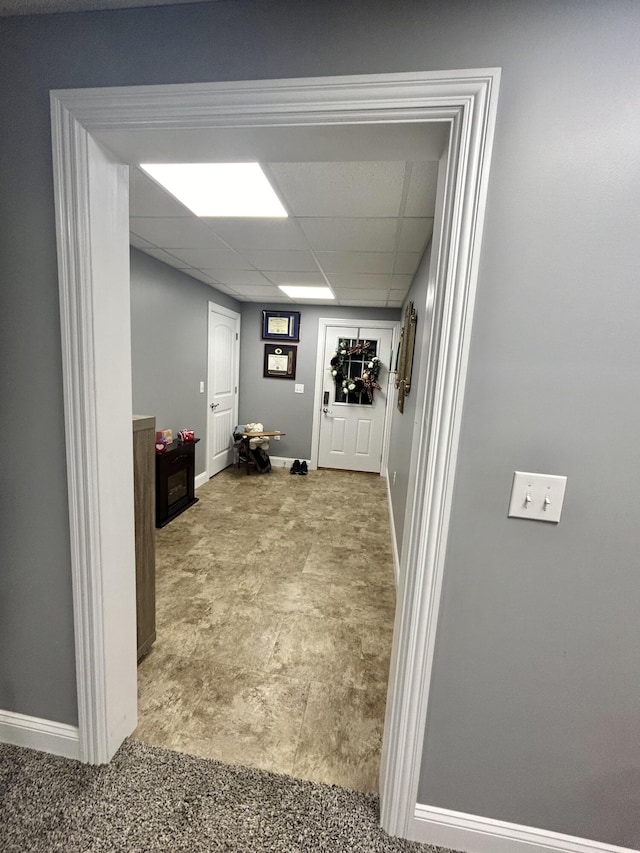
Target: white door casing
{"x": 222, "y": 386}
{"x": 467, "y": 101}
{"x": 352, "y": 434}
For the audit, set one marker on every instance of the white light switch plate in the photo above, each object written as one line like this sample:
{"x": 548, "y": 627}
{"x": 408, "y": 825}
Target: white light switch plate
{"x": 537, "y": 496}
{"x": 299, "y": 389}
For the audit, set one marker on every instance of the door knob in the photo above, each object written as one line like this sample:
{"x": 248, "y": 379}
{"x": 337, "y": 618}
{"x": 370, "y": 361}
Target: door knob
{"x": 214, "y": 405}
{"x": 325, "y": 410}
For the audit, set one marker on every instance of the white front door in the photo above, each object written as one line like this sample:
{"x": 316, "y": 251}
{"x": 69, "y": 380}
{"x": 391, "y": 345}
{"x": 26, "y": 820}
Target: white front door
{"x": 224, "y": 334}
{"x": 351, "y": 423}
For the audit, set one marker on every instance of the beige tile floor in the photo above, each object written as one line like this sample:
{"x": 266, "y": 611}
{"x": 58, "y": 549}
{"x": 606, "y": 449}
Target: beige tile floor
{"x": 275, "y": 607}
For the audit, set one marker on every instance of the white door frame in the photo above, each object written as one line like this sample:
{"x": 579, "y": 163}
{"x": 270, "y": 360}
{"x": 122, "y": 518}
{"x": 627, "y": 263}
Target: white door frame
{"x": 323, "y": 323}
{"x": 467, "y": 100}
{"x": 227, "y": 312}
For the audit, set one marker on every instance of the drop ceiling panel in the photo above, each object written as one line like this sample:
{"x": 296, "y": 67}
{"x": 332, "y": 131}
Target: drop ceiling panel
{"x": 233, "y": 277}
{"x": 147, "y": 199}
{"x": 176, "y": 233}
{"x": 224, "y": 289}
{"x": 258, "y": 234}
{"x": 167, "y": 258}
{"x": 362, "y": 303}
{"x": 138, "y": 242}
{"x": 406, "y": 262}
{"x": 374, "y": 262}
{"x": 267, "y": 292}
{"x": 289, "y": 261}
{"x": 401, "y": 282}
{"x": 350, "y": 235}
{"x": 341, "y": 189}
{"x": 178, "y": 263}
{"x": 421, "y": 198}
{"x": 350, "y": 226}
{"x": 414, "y": 234}
{"x": 286, "y": 277}
{"x": 398, "y": 294}
{"x": 201, "y": 275}
{"x": 359, "y": 280}
{"x": 359, "y": 293}
{"x": 206, "y": 259}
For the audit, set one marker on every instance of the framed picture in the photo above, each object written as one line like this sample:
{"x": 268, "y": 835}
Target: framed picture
{"x": 280, "y": 361}
{"x": 280, "y": 325}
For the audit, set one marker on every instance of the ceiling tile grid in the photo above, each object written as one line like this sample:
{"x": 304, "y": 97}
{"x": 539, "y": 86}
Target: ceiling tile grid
{"x": 360, "y": 227}
{"x": 342, "y": 234}
{"x": 340, "y": 189}
{"x": 176, "y": 232}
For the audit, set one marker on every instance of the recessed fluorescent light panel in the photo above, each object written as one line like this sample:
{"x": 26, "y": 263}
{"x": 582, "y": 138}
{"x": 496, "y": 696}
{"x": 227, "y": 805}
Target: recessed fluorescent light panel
{"x": 298, "y": 291}
{"x": 219, "y": 189}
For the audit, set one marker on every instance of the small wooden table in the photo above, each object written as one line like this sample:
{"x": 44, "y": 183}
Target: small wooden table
{"x": 245, "y": 450}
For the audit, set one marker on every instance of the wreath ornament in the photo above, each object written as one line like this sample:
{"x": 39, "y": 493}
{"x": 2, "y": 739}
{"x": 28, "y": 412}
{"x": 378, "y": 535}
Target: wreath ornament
{"x": 339, "y": 366}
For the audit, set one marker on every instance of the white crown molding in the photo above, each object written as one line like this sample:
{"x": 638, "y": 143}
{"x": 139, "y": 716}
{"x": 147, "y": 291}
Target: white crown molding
{"x": 266, "y": 102}
{"x": 36, "y": 733}
{"x": 473, "y": 834}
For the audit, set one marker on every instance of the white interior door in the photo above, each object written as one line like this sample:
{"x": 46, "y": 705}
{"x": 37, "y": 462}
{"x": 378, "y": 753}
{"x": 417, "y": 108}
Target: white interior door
{"x": 351, "y": 425}
{"x": 224, "y": 340}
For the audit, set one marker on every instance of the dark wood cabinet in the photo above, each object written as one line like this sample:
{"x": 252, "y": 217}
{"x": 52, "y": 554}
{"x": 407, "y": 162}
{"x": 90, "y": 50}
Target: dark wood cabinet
{"x": 175, "y": 480}
{"x": 144, "y": 431}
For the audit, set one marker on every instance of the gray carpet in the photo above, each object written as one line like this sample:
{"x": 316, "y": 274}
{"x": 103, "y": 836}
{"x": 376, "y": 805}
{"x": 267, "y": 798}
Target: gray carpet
{"x": 151, "y": 799}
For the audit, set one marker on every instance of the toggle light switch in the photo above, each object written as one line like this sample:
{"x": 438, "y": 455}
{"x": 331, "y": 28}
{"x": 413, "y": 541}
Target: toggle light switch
{"x": 537, "y": 496}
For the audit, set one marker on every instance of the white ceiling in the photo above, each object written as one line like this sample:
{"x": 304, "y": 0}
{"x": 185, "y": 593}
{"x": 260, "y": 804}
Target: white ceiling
{"x": 360, "y": 198}
{"x": 361, "y": 228}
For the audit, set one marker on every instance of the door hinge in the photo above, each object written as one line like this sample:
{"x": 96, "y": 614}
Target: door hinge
{"x": 236, "y": 336}
{"x": 235, "y": 390}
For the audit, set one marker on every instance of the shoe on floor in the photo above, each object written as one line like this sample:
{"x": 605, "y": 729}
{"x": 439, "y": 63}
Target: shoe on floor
{"x": 303, "y": 468}
{"x": 295, "y": 468}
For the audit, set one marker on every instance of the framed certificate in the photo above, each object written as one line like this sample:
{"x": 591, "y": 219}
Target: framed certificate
{"x": 280, "y": 325}
{"x": 280, "y": 361}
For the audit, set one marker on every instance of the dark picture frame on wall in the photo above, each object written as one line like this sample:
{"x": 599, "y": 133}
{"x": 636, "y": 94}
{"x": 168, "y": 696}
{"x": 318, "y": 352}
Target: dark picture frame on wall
{"x": 280, "y": 361}
{"x": 281, "y": 326}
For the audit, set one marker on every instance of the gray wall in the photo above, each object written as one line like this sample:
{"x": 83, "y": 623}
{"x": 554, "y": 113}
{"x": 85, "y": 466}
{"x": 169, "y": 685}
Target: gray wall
{"x": 273, "y": 402}
{"x": 404, "y": 426}
{"x": 169, "y": 332}
{"x": 536, "y": 699}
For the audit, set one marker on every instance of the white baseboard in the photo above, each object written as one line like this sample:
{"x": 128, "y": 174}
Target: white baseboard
{"x": 43, "y": 735}
{"x": 394, "y": 541}
{"x": 201, "y": 479}
{"x": 286, "y": 462}
{"x": 473, "y": 834}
